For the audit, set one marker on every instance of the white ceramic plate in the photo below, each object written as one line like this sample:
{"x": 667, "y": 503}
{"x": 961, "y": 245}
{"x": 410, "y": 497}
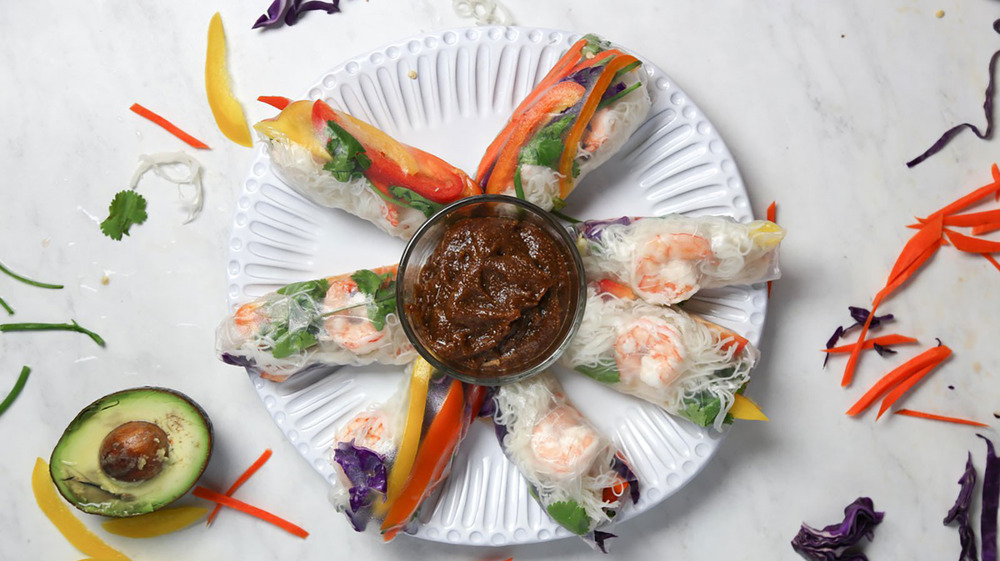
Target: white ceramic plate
{"x": 466, "y": 85}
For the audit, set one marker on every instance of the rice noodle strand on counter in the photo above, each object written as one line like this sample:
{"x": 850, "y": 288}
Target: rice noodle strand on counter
{"x": 485, "y": 12}
{"x": 160, "y": 165}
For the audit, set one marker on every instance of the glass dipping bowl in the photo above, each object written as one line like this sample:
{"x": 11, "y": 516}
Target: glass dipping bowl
{"x": 426, "y": 240}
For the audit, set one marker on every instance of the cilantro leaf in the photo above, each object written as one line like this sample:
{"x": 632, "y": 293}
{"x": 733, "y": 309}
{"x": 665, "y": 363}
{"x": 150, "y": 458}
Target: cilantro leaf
{"x": 545, "y": 147}
{"x": 603, "y": 372}
{"x": 314, "y": 289}
{"x": 288, "y": 343}
{"x": 126, "y": 209}
{"x": 348, "y": 159}
{"x": 381, "y": 291}
{"x": 412, "y": 199}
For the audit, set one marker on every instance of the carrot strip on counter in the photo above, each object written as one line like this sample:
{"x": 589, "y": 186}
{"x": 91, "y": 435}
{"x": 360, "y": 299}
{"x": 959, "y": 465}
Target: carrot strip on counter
{"x": 168, "y": 126}
{"x": 902, "y": 372}
{"x": 240, "y": 481}
{"x": 985, "y": 228}
{"x": 933, "y": 417}
{"x": 276, "y": 101}
{"x": 219, "y": 498}
{"x": 991, "y": 259}
{"x": 772, "y": 213}
{"x": 969, "y": 244}
{"x": 974, "y": 197}
{"x": 902, "y": 388}
{"x": 883, "y": 340}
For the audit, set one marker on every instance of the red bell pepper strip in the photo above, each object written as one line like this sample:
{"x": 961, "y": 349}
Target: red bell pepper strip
{"x": 913, "y": 366}
{"x": 435, "y": 180}
{"x": 559, "y": 71}
{"x": 556, "y": 99}
{"x": 772, "y": 212}
{"x": 276, "y": 101}
{"x": 432, "y": 461}
{"x": 608, "y": 286}
{"x": 583, "y": 119}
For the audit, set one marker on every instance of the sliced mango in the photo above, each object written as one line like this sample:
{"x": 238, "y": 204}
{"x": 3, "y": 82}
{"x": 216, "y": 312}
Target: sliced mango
{"x": 75, "y": 532}
{"x": 744, "y": 408}
{"x": 226, "y": 108}
{"x": 374, "y": 139}
{"x": 294, "y": 124}
{"x": 156, "y": 523}
{"x": 420, "y": 380}
{"x": 765, "y": 234}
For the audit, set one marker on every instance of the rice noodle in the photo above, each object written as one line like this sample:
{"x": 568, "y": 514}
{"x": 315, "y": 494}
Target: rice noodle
{"x": 485, "y": 12}
{"x": 707, "y": 361}
{"x": 160, "y": 164}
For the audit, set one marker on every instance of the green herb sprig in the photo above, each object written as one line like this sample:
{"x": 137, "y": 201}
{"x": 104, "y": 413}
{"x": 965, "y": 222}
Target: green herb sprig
{"x": 16, "y": 390}
{"x": 73, "y": 326}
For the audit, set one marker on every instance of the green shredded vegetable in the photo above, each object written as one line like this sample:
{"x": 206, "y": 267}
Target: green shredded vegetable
{"x": 16, "y": 390}
{"x": 74, "y": 326}
{"x": 6, "y": 306}
{"x": 26, "y": 280}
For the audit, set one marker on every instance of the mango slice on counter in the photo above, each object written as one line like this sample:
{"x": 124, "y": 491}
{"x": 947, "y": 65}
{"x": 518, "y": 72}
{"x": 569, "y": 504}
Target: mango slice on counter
{"x": 156, "y": 523}
{"x": 226, "y": 108}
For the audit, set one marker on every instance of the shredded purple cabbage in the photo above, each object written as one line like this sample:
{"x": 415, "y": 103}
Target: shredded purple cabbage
{"x": 594, "y": 229}
{"x": 289, "y": 11}
{"x": 952, "y": 132}
{"x": 600, "y": 538}
{"x": 883, "y": 350}
{"x": 960, "y": 513}
{"x": 991, "y": 502}
{"x": 834, "y": 542}
{"x": 586, "y": 76}
{"x": 366, "y": 470}
{"x": 626, "y": 473}
{"x": 860, "y": 316}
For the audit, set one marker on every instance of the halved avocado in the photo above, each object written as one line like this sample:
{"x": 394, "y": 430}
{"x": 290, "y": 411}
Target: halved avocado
{"x": 132, "y": 452}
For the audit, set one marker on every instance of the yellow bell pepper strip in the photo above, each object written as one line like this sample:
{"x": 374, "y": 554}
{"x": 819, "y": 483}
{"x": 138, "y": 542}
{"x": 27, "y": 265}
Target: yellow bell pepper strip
{"x": 431, "y": 462}
{"x": 68, "y": 525}
{"x": 156, "y": 523}
{"x": 744, "y": 408}
{"x": 226, "y": 108}
{"x": 556, "y": 99}
{"x": 586, "y": 113}
{"x": 420, "y": 379}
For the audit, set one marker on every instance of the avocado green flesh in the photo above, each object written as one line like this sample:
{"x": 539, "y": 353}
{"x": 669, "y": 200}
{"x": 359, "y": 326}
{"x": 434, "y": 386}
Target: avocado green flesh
{"x": 75, "y": 462}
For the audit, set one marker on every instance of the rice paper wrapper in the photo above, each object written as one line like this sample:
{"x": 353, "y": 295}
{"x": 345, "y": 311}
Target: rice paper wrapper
{"x": 667, "y": 259}
{"x": 688, "y": 366}
{"x": 608, "y": 131}
{"x": 315, "y": 325}
{"x": 567, "y": 462}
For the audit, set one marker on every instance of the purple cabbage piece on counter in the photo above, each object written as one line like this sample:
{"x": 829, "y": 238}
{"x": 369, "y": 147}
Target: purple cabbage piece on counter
{"x": 593, "y": 229}
{"x": 366, "y": 471}
{"x": 960, "y": 513}
{"x": 289, "y": 11}
{"x": 834, "y": 542}
{"x": 991, "y": 502}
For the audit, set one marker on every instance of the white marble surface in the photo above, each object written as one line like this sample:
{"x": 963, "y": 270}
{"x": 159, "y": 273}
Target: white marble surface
{"x": 820, "y": 103}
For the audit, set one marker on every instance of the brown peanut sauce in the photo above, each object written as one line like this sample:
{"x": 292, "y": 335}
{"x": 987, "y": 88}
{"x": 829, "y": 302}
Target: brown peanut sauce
{"x": 493, "y": 295}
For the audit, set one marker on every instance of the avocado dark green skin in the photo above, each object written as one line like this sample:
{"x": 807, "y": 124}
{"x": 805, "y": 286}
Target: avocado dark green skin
{"x": 131, "y": 503}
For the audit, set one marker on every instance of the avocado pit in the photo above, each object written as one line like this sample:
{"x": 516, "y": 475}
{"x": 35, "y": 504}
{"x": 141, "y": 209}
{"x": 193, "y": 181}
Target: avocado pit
{"x": 134, "y": 451}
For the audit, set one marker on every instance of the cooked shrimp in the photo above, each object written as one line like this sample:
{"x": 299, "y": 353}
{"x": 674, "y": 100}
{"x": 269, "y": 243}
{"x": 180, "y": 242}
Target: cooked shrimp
{"x": 350, "y": 327}
{"x": 667, "y": 267}
{"x": 649, "y": 353}
{"x": 563, "y": 442}
{"x": 599, "y": 130}
{"x": 369, "y": 429}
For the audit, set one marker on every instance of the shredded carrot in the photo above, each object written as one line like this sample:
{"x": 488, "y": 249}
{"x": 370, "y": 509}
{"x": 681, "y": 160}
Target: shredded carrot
{"x": 884, "y": 341}
{"x": 933, "y": 417}
{"x": 170, "y": 127}
{"x": 276, "y": 101}
{"x": 974, "y": 197}
{"x": 902, "y": 388}
{"x": 209, "y": 495}
{"x": 991, "y": 259}
{"x": 772, "y": 212}
{"x": 917, "y": 251}
{"x": 969, "y": 244}
{"x": 239, "y": 482}
{"x": 902, "y": 372}
{"x": 985, "y": 228}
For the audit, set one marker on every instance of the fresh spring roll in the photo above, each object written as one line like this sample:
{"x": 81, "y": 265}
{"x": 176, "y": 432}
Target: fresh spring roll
{"x": 578, "y": 476}
{"x": 667, "y": 259}
{"x": 575, "y": 119}
{"x": 347, "y": 319}
{"x": 688, "y": 366}
{"x": 338, "y": 161}
{"x": 391, "y": 458}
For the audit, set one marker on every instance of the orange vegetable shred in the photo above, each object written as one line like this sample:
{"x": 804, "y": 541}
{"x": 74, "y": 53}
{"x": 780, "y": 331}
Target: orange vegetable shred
{"x": 168, "y": 126}
{"x": 239, "y": 482}
{"x": 933, "y": 417}
{"x": 219, "y": 498}
{"x": 913, "y": 366}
